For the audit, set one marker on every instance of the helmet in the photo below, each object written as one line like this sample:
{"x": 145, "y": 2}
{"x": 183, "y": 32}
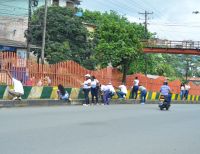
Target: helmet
{"x": 165, "y": 82}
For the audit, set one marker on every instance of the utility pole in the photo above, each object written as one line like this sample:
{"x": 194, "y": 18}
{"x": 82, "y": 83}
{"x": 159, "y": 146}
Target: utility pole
{"x": 44, "y": 32}
{"x": 31, "y": 3}
{"x": 28, "y": 31}
{"x": 146, "y": 34}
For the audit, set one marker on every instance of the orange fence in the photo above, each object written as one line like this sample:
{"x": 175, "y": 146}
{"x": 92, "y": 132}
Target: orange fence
{"x": 68, "y": 73}
{"x": 5, "y": 79}
{"x": 71, "y": 74}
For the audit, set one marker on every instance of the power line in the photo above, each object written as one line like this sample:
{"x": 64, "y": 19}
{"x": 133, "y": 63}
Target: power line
{"x": 175, "y": 25}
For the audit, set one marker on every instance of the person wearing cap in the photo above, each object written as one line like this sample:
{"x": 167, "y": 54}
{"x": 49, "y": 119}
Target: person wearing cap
{"x": 86, "y": 89}
{"x": 165, "y": 91}
{"x": 94, "y": 89}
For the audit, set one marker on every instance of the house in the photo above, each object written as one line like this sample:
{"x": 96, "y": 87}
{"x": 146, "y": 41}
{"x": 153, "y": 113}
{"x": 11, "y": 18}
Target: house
{"x": 18, "y": 47}
{"x": 12, "y": 28}
{"x": 65, "y": 3}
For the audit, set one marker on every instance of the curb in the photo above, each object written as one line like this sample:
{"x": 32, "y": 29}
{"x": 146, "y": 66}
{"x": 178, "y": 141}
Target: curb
{"x": 48, "y": 102}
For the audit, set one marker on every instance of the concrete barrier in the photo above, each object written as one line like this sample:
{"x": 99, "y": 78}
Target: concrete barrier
{"x": 34, "y": 93}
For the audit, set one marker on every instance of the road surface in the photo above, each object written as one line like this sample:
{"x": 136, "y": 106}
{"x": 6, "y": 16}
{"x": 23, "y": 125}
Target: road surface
{"x": 114, "y": 129}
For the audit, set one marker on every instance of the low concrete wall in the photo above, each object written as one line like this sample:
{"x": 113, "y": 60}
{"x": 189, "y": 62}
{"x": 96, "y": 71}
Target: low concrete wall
{"x": 32, "y": 93}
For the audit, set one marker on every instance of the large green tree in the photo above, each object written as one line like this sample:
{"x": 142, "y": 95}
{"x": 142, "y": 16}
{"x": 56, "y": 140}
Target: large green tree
{"x": 117, "y": 40}
{"x": 66, "y": 36}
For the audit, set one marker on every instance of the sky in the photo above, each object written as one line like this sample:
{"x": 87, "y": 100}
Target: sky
{"x": 171, "y": 19}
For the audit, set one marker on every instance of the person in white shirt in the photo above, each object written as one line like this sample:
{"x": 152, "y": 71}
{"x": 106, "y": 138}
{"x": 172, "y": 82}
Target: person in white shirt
{"x": 187, "y": 88}
{"x": 134, "y": 91}
{"x": 94, "y": 89}
{"x": 106, "y": 94}
{"x": 86, "y": 89}
{"x": 123, "y": 91}
{"x": 112, "y": 89}
{"x": 17, "y": 91}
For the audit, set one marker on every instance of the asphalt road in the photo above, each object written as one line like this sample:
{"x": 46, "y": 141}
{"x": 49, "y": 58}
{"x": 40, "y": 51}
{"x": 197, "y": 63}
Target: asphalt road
{"x": 114, "y": 129}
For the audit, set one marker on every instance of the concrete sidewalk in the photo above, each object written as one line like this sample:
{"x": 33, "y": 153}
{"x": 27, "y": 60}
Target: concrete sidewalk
{"x": 50, "y": 102}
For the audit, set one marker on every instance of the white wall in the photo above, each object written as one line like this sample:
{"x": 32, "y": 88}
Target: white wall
{"x": 13, "y": 28}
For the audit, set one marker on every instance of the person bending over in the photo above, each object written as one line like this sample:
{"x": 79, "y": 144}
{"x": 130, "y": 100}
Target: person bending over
{"x": 17, "y": 91}
{"x": 62, "y": 93}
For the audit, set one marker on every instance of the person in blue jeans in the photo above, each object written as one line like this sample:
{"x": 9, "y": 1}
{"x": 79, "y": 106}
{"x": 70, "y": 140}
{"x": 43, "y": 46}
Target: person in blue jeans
{"x": 166, "y": 92}
{"x": 123, "y": 91}
{"x": 187, "y": 88}
{"x": 86, "y": 89}
{"x": 182, "y": 90}
{"x": 143, "y": 94}
{"x": 94, "y": 89}
{"x": 134, "y": 91}
{"x": 106, "y": 94}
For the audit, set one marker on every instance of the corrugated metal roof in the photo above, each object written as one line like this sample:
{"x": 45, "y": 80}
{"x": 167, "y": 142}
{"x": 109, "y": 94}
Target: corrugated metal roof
{"x": 12, "y": 43}
{"x": 16, "y": 44}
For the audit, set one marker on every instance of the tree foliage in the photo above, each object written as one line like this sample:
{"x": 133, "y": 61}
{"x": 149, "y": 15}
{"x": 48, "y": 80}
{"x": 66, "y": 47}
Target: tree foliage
{"x": 117, "y": 40}
{"x": 66, "y": 36}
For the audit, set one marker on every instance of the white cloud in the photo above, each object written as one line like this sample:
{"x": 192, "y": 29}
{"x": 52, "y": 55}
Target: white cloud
{"x": 172, "y": 19}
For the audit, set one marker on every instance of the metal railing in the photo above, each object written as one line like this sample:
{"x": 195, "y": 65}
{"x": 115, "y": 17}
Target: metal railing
{"x": 153, "y": 43}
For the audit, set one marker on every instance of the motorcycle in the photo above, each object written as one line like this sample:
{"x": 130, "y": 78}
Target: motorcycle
{"x": 164, "y": 102}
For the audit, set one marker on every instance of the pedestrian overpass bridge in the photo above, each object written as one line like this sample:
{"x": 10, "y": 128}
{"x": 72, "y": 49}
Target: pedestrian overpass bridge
{"x": 172, "y": 47}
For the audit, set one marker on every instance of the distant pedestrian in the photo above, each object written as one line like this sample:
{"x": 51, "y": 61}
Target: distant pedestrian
{"x": 187, "y": 88}
{"x": 40, "y": 82}
{"x": 182, "y": 88}
{"x": 47, "y": 81}
{"x": 30, "y": 81}
{"x": 134, "y": 92}
{"x": 94, "y": 89}
{"x": 122, "y": 91}
{"x": 143, "y": 94}
{"x": 86, "y": 89}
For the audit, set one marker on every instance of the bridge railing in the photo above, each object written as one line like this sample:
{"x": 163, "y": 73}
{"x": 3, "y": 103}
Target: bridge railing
{"x": 152, "y": 43}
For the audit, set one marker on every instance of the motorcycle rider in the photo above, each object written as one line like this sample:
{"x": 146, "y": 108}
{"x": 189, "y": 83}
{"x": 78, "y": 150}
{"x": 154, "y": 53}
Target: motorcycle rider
{"x": 166, "y": 92}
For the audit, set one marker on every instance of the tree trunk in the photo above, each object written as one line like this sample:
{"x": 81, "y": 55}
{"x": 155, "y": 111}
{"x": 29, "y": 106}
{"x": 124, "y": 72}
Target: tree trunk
{"x": 125, "y": 69}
